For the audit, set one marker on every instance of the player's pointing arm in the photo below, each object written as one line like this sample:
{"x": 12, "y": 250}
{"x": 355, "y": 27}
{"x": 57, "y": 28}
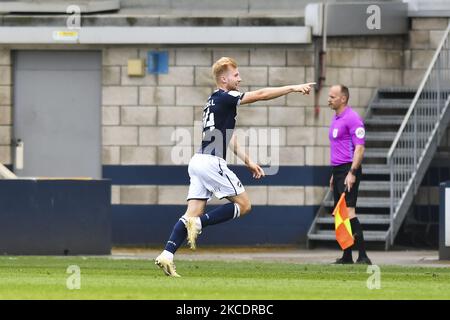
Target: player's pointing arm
{"x": 275, "y": 92}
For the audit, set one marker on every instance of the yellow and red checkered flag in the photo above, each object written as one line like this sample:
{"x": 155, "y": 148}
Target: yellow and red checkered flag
{"x": 342, "y": 224}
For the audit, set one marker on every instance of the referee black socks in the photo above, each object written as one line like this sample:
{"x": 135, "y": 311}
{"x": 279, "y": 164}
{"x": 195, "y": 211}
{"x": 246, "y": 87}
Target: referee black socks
{"x": 359, "y": 237}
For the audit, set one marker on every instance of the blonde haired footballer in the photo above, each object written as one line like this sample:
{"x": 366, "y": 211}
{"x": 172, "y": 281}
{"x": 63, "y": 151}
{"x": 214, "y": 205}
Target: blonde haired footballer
{"x": 208, "y": 170}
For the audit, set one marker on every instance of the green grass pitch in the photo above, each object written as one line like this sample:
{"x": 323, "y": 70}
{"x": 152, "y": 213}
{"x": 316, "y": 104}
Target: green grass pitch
{"x": 31, "y": 277}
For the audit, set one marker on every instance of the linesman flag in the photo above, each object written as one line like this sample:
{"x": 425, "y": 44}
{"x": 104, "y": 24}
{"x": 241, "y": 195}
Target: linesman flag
{"x": 342, "y": 224}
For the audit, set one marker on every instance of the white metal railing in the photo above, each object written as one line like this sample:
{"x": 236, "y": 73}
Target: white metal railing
{"x": 419, "y": 127}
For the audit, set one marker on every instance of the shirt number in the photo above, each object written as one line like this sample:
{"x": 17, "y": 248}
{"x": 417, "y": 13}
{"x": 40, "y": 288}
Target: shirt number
{"x": 208, "y": 119}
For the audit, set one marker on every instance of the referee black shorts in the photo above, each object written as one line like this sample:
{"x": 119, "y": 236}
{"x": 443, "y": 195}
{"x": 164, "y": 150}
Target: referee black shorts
{"x": 339, "y": 174}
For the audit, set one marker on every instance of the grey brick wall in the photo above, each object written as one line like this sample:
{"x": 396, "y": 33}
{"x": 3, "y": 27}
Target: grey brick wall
{"x": 145, "y": 111}
{"x": 5, "y": 106}
{"x": 140, "y": 114}
{"x": 424, "y": 37}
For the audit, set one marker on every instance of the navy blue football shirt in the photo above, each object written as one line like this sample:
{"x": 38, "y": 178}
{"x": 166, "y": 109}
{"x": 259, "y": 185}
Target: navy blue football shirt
{"x": 219, "y": 119}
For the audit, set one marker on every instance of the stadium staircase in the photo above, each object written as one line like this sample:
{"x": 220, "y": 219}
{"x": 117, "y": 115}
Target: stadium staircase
{"x": 403, "y": 130}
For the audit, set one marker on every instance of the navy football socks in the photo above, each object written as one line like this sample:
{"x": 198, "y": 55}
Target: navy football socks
{"x": 179, "y": 234}
{"x": 221, "y": 214}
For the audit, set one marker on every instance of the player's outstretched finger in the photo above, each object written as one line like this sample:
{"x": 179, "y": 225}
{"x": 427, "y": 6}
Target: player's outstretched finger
{"x": 263, "y": 174}
{"x": 257, "y": 174}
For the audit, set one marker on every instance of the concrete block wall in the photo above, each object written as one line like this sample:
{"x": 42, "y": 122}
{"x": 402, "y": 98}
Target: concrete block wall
{"x": 364, "y": 64}
{"x": 174, "y": 101}
{"x": 5, "y": 106}
{"x": 141, "y": 114}
{"x": 424, "y": 37}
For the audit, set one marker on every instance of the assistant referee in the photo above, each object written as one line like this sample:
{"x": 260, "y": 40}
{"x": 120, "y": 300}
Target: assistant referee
{"x": 346, "y": 136}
